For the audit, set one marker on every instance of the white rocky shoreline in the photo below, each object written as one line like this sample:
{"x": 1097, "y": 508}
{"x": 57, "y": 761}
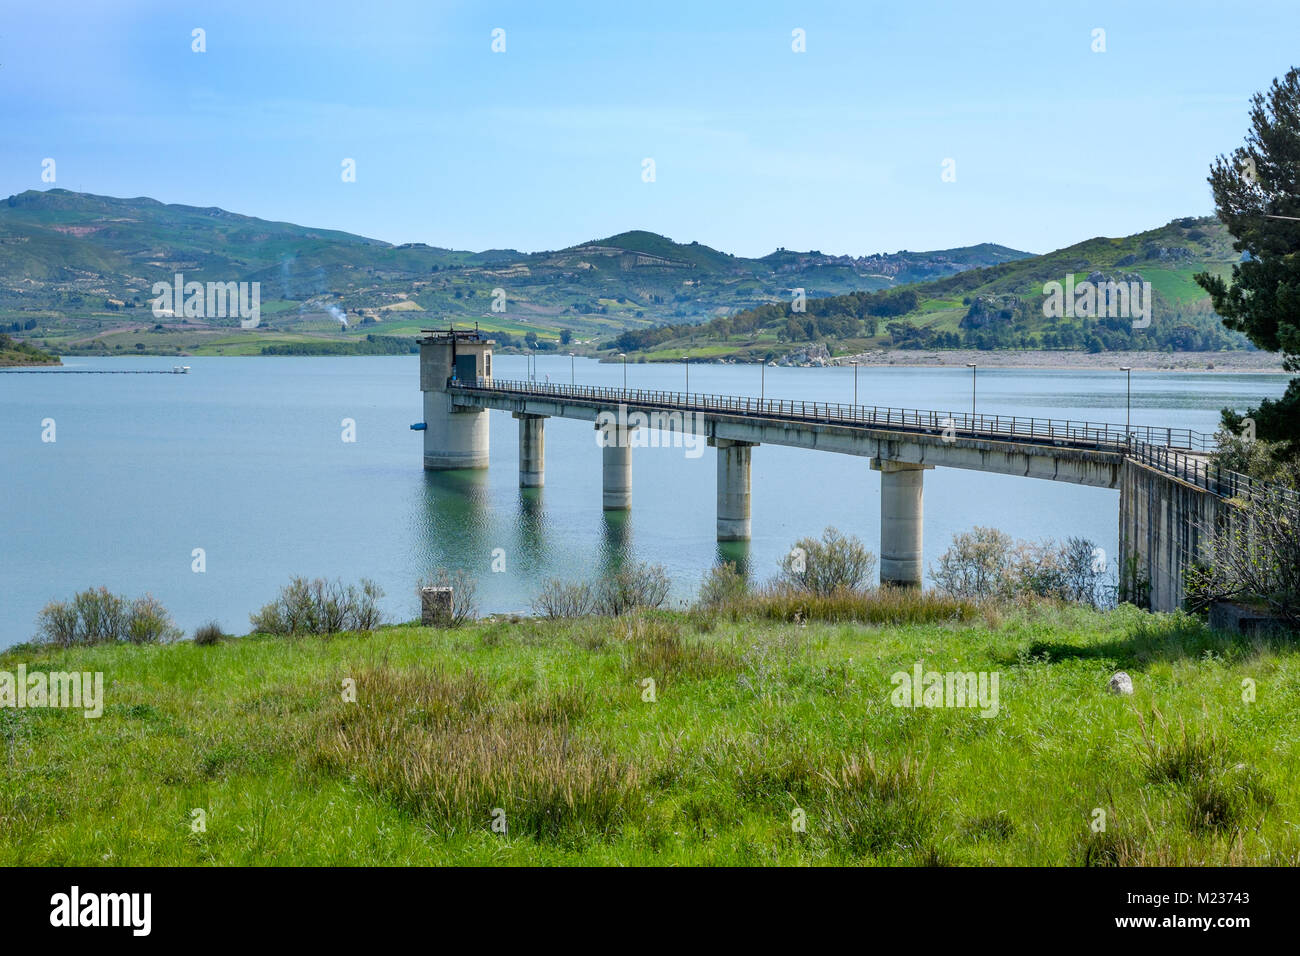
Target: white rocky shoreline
{"x": 1238, "y": 361}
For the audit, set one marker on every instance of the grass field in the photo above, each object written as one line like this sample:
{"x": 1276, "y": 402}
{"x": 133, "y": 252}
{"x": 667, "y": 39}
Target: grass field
{"x": 754, "y": 725}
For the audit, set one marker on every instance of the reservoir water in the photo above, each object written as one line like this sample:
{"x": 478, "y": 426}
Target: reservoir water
{"x": 245, "y": 459}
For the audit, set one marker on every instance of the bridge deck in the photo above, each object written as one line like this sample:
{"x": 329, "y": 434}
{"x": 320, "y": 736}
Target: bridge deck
{"x": 1180, "y": 452}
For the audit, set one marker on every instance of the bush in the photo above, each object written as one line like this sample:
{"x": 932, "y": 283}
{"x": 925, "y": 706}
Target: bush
{"x": 722, "y": 585}
{"x": 1248, "y": 456}
{"x": 149, "y": 623}
{"x": 97, "y": 616}
{"x": 1083, "y": 572}
{"x": 559, "y": 599}
{"x": 986, "y": 563}
{"x": 102, "y": 616}
{"x": 208, "y": 634}
{"x": 57, "y": 624}
{"x": 634, "y": 585}
{"x": 835, "y": 563}
{"x": 1254, "y": 552}
{"x": 976, "y": 565}
{"x": 320, "y": 607}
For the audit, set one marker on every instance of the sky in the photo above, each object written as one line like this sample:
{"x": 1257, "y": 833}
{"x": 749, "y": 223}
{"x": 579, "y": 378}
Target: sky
{"x": 839, "y": 148}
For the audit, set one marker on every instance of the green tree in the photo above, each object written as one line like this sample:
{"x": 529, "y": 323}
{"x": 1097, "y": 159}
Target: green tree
{"x": 1257, "y": 195}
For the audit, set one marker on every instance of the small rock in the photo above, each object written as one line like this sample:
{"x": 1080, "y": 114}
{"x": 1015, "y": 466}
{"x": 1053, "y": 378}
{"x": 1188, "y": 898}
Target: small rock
{"x": 1121, "y": 683}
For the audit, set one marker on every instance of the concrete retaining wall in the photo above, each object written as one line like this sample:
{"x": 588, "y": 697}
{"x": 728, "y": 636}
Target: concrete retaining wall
{"x": 1164, "y": 528}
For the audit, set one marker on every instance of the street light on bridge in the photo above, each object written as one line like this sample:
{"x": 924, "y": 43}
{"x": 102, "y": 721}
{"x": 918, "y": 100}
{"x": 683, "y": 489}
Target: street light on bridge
{"x": 971, "y": 366}
{"x": 687, "y": 359}
{"x": 855, "y": 382}
{"x": 623, "y": 356}
{"x": 572, "y": 379}
{"x": 1128, "y": 399}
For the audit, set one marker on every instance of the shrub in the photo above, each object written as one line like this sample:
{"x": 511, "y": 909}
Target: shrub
{"x": 208, "y": 634}
{"x": 1254, "y": 552}
{"x": 102, "y": 616}
{"x": 986, "y": 563}
{"x": 320, "y": 607}
{"x": 635, "y": 585}
{"x": 1082, "y": 572}
{"x": 976, "y": 565}
{"x": 723, "y": 585}
{"x": 559, "y": 599}
{"x": 835, "y": 563}
{"x": 57, "y": 624}
{"x": 149, "y": 623}
{"x": 97, "y": 616}
{"x": 1248, "y": 456}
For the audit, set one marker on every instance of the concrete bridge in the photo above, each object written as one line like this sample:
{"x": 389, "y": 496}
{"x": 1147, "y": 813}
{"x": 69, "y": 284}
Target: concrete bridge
{"x": 1169, "y": 491}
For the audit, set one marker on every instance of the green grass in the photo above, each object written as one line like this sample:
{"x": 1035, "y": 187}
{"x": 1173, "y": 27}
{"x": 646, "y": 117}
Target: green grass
{"x": 752, "y": 720}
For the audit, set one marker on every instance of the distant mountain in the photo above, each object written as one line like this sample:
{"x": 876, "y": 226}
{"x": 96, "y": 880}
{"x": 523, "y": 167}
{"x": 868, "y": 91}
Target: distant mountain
{"x": 989, "y": 306}
{"x": 77, "y": 270}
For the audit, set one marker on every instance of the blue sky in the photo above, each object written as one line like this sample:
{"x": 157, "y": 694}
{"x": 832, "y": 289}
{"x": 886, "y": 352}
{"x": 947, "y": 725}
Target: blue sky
{"x": 838, "y": 148}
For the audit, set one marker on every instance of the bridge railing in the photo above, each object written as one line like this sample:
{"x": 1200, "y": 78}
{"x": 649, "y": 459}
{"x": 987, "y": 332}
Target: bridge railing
{"x": 1101, "y": 435}
{"x": 1204, "y": 473}
{"x": 1170, "y": 450}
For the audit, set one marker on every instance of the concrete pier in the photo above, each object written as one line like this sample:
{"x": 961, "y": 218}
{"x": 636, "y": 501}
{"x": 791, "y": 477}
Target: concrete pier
{"x": 616, "y": 468}
{"x": 901, "y": 522}
{"x": 455, "y": 436}
{"x": 532, "y": 450}
{"x": 733, "y": 489}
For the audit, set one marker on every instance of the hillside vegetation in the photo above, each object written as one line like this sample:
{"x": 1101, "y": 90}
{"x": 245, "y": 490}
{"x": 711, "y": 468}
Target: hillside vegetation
{"x": 997, "y": 306}
{"x": 77, "y": 271}
{"x": 14, "y": 353}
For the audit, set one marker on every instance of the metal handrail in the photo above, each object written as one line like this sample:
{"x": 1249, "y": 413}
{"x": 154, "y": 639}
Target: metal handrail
{"x": 1171, "y": 450}
{"x": 1088, "y": 434}
{"x": 1206, "y": 474}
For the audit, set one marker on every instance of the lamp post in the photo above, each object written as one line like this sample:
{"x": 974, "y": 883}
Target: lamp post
{"x": 971, "y": 366}
{"x": 855, "y": 383}
{"x": 762, "y": 380}
{"x": 623, "y": 356}
{"x": 1128, "y": 399}
{"x": 572, "y": 379}
{"x": 687, "y": 359}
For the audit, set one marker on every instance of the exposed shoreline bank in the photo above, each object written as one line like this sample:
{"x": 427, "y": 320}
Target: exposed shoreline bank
{"x": 1041, "y": 359}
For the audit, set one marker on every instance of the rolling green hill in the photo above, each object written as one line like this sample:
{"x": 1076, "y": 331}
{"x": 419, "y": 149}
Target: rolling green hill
{"x": 23, "y": 353}
{"x": 77, "y": 272}
{"x": 990, "y": 306}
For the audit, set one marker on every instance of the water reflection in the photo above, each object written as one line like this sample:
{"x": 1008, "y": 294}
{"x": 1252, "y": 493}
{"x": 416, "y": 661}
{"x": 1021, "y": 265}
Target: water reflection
{"x": 616, "y": 546}
{"x": 455, "y": 518}
{"x": 738, "y": 553}
{"x": 532, "y": 548}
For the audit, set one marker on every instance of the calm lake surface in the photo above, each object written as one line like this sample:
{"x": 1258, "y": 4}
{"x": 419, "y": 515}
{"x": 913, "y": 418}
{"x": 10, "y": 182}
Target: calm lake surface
{"x": 244, "y": 458}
